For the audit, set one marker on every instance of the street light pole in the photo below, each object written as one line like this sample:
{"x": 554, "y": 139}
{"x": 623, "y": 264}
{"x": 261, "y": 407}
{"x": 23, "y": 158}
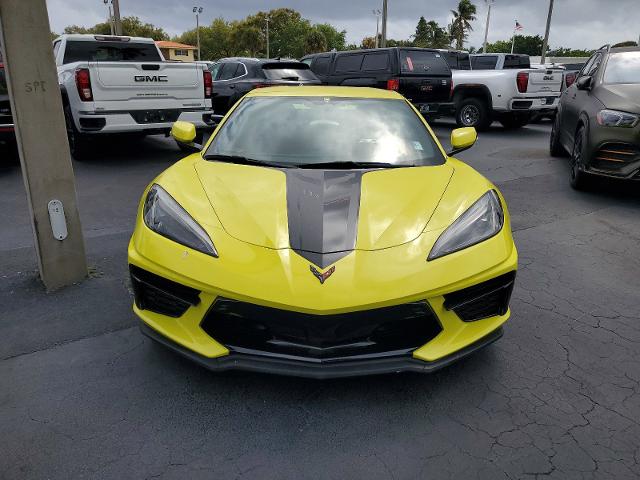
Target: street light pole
{"x": 198, "y": 11}
{"x": 117, "y": 23}
{"x": 267, "y": 21}
{"x": 486, "y": 28}
{"x": 384, "y": 23}
{"x": 546, "y": 33}
{"x": 111, "y": 28}
{"x": 377, "y": 13}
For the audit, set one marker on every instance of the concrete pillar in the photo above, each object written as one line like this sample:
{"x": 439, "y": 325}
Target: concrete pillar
{"x": 42, "y": 140}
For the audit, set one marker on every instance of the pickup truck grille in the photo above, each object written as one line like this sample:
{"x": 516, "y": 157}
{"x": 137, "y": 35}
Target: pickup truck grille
{"x": 155, "y": 116}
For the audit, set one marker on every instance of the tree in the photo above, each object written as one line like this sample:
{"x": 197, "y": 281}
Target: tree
{"x": 215, "y": 40}
{"x": 247, "y": 40}
{"x": 315, "y": 42}
{"x": 287, "y": 31}
{"x": 421, "y": 37}
{"x": 461, "y": 23}
{"x": 335, "y": 39}
{"x": 569, "y": 52}
{"x": 131, "y": 26}
{"x": 368, "y": 42}
{"x": 436, "y": 35}
{"x": 399, "y": 43}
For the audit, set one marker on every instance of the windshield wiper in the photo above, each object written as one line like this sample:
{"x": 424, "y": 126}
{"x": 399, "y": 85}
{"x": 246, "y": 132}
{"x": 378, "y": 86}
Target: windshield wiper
{"x": 350, "y": 165}
{"x": 240, "y": 160}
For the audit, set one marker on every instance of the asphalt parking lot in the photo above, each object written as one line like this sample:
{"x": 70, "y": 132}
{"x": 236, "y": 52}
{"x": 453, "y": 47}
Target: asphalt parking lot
{"x": 84, "y": 395}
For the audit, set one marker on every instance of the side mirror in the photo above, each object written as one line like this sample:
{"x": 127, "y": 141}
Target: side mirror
{"x": 584, "y": 82}
{"x": 462, "y": 139}
{"x": 185, "y": 133}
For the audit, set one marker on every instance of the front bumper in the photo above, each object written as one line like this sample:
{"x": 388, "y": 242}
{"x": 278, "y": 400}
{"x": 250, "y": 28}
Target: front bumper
{"x": 613, "y": 152}
{"x": 363, "y": 281}
{"x": 296, "y": 368}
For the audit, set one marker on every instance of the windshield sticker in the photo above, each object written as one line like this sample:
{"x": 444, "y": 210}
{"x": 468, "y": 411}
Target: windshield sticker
{"x": 301, "y": 106}
{"x": 417, "y": 146}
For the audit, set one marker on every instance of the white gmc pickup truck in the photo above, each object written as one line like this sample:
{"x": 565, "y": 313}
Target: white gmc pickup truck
{"x": 119, "y": 85}
{"x": 498, "y": 88}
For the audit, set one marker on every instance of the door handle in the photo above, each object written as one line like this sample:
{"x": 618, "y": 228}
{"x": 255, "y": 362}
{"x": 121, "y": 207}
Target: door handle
{"x": 232, "y": 86}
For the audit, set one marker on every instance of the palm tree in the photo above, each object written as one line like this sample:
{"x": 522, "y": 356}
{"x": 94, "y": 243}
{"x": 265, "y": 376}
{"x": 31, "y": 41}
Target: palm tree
{"x": 461, "y": 23}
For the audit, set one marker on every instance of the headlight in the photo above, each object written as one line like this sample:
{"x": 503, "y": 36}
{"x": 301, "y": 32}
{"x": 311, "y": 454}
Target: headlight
{"x": 481, "y": 221}
{"x": 613, "y": 118}
{"x": 165, "y": 216}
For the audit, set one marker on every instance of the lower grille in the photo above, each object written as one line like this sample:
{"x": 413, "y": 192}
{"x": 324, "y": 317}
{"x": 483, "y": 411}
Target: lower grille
{"x": 383, "y": 331}
{"x": 615, "y": 156}
{"x": 158, "y": 294}
{"x": 486, "y": 299}
{"x": 155, "y": 116}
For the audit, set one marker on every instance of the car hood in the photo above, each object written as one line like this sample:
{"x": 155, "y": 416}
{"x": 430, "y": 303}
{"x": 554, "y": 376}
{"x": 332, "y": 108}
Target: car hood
{"x": 625, "y": 97}
{"x": 323, "y": 214}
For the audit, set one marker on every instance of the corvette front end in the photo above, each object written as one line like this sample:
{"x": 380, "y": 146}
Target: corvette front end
{"x": 322, "y": 273}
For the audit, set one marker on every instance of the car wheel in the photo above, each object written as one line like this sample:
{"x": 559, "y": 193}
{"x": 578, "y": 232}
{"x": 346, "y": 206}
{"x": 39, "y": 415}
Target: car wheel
{"x": 78, "y": 143}
{"x": 555, "y": 147}
{"x": 579, "y": 179}
{"x": 473, "y": 112}
{"x": 512, "y": 121}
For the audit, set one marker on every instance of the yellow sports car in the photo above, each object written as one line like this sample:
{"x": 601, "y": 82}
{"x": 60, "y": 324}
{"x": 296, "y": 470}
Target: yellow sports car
{"x": 322, "y": 232}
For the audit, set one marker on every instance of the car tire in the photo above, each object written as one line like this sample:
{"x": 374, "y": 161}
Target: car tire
{"x": 473, "y": 112}
{"x": 555, "y": 147}
{"x": 579, "y": 178}
{"x": 78, "y": 143}
{"x": 513, "y": 121}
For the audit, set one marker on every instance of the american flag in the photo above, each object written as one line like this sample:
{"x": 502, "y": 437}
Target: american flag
{"x": 518, "y": 27}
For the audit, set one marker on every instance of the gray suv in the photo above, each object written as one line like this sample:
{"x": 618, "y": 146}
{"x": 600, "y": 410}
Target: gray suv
{"x": 598, "y": 120}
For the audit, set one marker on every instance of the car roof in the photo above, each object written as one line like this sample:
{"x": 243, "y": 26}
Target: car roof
{"x": 324, "y": 91}
{"x": 624, "y": 49}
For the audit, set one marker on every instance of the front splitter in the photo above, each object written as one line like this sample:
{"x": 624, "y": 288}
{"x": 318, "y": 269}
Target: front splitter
{"x": 320, "y": 371}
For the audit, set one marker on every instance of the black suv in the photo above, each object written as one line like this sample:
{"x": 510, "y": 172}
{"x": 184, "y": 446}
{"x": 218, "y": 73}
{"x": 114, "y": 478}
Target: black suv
{"x": 598, "y": 119}
{"x": 422, "y": 75}
{"x": 233, "y": 77}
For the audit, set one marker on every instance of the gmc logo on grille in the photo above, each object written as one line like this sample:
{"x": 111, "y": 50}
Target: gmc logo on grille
{"x": 150, "y": 78}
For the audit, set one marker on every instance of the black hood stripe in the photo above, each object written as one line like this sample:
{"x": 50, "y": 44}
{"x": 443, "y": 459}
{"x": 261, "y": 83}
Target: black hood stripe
{"x": 322, "y": 208}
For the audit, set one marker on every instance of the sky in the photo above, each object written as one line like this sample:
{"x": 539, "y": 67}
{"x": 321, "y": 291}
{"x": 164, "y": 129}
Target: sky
{"x": 575, "y": 23}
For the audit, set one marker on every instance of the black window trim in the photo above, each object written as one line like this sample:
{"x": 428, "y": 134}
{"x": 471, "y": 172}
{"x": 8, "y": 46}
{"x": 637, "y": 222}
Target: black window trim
{"x": 246, "y": 72}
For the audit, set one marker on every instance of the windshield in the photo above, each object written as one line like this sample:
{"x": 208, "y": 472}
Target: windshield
{"x": 83, "y": 51}
{"x": 623, "y": 67}
{"x": 295, "y": 74}
{"x": 292, "y": 130}
{"x": 484, "y": 62}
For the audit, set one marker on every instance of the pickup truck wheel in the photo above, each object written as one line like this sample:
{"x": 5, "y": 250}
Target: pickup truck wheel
{"x": 555, "y": 148}
{"x": 512, "y": 121}
{"x": 579, "y": 179}
{"x": 78, "y": 143}
{"x": 473, "y": 112}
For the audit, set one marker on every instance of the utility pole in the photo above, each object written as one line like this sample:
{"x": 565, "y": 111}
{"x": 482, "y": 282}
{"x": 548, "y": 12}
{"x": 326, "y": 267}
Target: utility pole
{"x": 42, "y": 142}
{"x": 486, "y": 28}
{"x": 111, "y": 27}
{"x": 116, "y": 17}
{"x": 384, "y": 23}
{"x": 546, "y": 33}
{"x": 267, "y": 20}
{"x": 377, "y": 13}
{"x": 198, "y": 11}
